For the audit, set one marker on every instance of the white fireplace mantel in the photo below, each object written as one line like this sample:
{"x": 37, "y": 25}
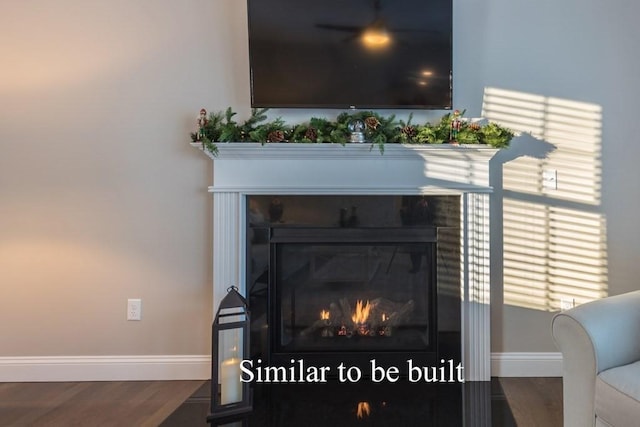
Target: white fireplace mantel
{"x": 242, "y": 169}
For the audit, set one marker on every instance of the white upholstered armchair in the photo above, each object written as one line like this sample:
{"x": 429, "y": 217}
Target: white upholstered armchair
{"x": 600, "y": 345}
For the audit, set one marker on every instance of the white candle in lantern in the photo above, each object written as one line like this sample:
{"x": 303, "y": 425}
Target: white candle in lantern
{"x": 231, "y": 384}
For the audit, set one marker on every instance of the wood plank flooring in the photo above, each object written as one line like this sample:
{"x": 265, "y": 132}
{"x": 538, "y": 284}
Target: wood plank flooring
{"x": 117, "y": 403}
{"x": 533, "y": 401}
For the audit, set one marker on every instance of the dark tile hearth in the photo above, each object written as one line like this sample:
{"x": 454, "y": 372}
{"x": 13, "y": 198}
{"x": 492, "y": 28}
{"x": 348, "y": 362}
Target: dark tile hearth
{"x": 345, "y": 405}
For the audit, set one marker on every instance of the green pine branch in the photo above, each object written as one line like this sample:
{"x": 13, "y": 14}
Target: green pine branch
{"x": 378, "y": 130}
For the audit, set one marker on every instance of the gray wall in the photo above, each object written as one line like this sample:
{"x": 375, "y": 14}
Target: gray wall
{"x": 579, "y": 53}
{"x": 102, "y": 199}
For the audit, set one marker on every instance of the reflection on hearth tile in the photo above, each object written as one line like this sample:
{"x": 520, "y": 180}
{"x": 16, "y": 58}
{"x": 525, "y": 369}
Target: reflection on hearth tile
{"x": 347, "y": 405}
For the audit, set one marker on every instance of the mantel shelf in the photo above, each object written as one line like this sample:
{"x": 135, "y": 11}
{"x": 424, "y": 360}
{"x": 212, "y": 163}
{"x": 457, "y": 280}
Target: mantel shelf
{"x": 250, "y": 150}
{"x": 282, "y": 168}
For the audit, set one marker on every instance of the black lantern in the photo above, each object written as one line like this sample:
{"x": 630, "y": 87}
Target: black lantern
{"x": 230, "y": 346}
{"x": 232, "y": 421}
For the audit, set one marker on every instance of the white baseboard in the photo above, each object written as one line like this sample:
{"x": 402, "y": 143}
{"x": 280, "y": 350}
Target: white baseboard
{"x": 526, "y": 364}
{"x": 105, "y": 368}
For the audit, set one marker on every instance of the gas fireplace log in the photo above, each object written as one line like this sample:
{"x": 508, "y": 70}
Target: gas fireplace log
{"x": 374, "y": 321}
{"x": 376, "y": 317}
{"x": 335, "y": 314}
{"x": 341, "y": 312}
{"x": 320, "y": 323}
{"x": 346, "y": 312}
{"x": 383, "y": 305}
{"x": 396, "y": 317}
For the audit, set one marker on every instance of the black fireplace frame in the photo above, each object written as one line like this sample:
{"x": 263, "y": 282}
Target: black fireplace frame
{"x": 361, "y": 235}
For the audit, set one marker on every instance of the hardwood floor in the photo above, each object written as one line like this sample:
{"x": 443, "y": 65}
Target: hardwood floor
{"x": 533, "y": 401}
{"x": 117, "y": 403}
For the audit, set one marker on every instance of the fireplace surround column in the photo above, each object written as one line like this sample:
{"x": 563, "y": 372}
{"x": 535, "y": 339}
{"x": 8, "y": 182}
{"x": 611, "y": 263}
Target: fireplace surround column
{"x": 227, "y": 235}
{"x": 475, "y": 287}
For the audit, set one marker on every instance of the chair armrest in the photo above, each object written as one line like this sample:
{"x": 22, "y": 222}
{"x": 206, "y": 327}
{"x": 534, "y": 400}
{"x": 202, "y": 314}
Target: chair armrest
{"x": 594, "y": 337}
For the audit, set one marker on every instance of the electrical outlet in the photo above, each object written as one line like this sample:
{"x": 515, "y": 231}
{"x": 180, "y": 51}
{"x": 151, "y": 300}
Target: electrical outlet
{"x": 550, "y": 179}
{"x": 567, "y": 303}
{"x": 134, "y": 309}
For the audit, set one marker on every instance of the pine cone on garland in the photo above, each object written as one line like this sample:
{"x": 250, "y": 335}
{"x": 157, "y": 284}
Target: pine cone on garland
{"x": 311, "y": 134}
{"x": 275, "y": 136}
{"x": 474, "y": 126}
{"x": 409, "y": 131}
{"x": 372, "y": 122}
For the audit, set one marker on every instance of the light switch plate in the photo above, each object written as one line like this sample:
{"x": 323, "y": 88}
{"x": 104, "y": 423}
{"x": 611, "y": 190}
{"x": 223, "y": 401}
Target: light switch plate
{"x": 550, "y": 179}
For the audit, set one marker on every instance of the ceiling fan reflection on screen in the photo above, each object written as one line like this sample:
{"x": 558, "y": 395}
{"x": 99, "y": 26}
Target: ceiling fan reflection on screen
{"x": 375, "y": 35}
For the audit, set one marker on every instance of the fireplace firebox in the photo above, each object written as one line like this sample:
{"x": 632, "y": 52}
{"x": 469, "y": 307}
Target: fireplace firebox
{"x": 351, "y": 284}
{"x": 343, "y": 293}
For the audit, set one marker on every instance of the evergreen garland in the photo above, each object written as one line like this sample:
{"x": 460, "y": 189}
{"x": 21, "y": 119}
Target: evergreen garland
{"x": 379, "y": 130}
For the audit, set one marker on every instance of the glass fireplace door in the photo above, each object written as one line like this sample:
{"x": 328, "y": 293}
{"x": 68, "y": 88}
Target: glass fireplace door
{"x": 352, "y": 290}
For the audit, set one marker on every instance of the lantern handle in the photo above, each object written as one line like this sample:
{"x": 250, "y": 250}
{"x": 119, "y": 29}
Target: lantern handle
{"x": 232, "y": 288}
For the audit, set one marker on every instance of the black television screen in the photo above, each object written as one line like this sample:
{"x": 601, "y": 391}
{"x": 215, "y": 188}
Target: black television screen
{"x": 350, "y": 53}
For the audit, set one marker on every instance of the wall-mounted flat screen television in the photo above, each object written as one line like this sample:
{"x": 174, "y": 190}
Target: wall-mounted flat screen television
{"x": 351, "y": 53}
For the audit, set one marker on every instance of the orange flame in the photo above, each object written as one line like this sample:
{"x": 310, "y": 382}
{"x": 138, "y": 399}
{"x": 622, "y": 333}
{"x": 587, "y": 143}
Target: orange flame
{"x": 324, "y": 315}
{"x": 362, "y": 312}
{"x": 364, "y": 409}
